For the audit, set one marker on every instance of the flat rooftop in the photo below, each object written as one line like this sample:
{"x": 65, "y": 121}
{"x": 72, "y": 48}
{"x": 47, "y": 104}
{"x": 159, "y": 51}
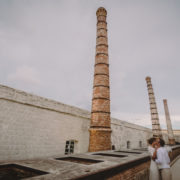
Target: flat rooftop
{"x": 75, "y": 166}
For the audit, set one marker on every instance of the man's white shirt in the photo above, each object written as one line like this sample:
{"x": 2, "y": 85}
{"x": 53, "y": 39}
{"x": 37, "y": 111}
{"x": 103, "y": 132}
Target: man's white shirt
{"x": 162, "y": 158}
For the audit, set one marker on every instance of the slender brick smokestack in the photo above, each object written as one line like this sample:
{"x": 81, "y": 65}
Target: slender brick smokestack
{"x": 100, "y": 128}
{"x": 168, "y": 122}
{"x": 153, "y": 108}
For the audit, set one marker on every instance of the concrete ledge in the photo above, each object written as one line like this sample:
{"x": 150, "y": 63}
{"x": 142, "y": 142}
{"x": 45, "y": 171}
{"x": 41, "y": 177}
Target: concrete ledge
{"x": 118, "y": 170}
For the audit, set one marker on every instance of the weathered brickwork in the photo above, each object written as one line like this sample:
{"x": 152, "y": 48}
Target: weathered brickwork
{"x": 100, "y": 120}
{"x": 100, "y": 131}
{"x": 101, "y": 106}
{"x": 138, "y": 172}
{"x": 103, "y": 141}
{"x": 101, "y": 59}
{"x": 101, "y": 92}
{"x": 101, "y": 80}
{"x": 102, "y": 32}
{"x": 102, "y": 69}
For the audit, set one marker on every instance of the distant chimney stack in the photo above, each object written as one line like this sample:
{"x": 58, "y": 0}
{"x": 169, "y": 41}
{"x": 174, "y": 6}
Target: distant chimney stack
{"x": 169, "y": 125}
{"x": 153, "y": 108}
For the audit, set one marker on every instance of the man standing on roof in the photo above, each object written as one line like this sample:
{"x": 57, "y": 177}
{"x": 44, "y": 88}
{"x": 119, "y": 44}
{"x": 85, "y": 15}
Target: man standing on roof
{"x": 163, "y": 161}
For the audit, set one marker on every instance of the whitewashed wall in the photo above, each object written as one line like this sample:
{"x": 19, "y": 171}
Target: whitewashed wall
{"x": 123, "y": 132}
{"x": 32, "y": 127}
{"x": 35, "y": 127}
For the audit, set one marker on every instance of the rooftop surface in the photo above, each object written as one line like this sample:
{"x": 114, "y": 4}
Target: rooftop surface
{"x": 81, "y": 165}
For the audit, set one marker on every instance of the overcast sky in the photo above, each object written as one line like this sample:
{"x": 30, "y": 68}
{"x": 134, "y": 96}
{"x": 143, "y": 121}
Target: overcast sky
{"x": 48, "y": 48}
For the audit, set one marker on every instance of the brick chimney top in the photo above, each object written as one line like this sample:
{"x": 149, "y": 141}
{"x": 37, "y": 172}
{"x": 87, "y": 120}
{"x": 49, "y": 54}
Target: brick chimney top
{"x": 165, "y": 101}
{"x": 101, "y": 11}
{"x": 148, "y": 78}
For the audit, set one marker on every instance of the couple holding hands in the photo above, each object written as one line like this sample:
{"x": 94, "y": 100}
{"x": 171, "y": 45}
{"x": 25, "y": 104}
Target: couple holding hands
{"x": 160, "y": 161}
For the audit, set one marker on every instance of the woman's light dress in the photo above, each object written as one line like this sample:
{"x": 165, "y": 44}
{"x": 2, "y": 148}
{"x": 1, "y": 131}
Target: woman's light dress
{"x": 154, "y": 171}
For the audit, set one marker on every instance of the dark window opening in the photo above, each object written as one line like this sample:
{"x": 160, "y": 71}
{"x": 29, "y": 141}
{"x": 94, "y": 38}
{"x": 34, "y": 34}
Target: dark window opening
{"x": 128, "y": 144}
{"x": 140, "y": 144}
{"x": 113, "y": 147}
{"x": 69, "y": 147}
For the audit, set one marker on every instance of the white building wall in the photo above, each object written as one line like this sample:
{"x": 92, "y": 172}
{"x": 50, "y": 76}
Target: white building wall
{"x": 36, "y": 127}
{"x": 124, "y": 131}
{"x": 33, "y": 127}
{"x": 30, "y": 132}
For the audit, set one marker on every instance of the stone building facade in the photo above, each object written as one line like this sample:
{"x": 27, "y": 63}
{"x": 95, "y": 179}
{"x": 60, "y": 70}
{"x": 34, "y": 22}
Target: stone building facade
{"x": 36, "y": 127}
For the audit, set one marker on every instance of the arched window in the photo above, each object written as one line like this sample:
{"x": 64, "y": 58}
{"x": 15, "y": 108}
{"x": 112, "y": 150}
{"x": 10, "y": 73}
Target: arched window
{"x": 140, "y": 144}
{"x": 128, "y": 144}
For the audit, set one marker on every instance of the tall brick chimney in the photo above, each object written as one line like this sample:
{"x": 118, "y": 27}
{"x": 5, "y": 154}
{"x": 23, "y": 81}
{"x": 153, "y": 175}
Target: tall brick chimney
{"x": 153, "y": 108}
{"x": 169, "y": 125}
{"x": 100, "y": 128}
